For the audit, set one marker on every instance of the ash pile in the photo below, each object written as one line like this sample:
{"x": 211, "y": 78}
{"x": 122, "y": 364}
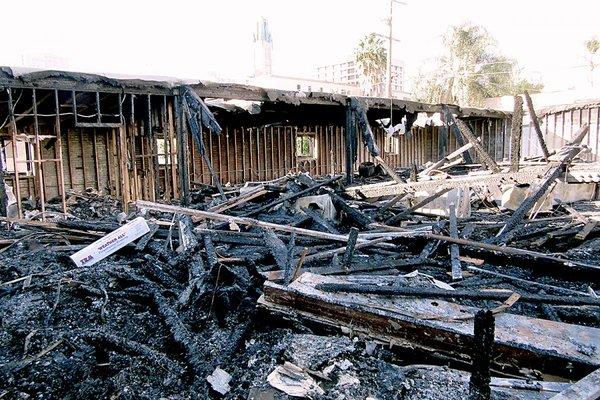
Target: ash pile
{"x": 446, "y": 282}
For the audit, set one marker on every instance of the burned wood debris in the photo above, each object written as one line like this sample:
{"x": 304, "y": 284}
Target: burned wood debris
{"x": 457, "y": 280}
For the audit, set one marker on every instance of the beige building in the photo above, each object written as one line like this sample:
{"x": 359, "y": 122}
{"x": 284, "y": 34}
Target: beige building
{"x": 347, "y": 72}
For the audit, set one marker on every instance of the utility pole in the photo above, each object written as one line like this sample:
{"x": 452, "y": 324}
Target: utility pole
{"x": 390, "y": 40}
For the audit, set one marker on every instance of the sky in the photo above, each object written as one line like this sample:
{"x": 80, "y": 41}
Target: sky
{"x": 213, "y": 39}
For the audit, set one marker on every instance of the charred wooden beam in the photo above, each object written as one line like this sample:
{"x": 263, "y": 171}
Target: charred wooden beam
{"x": 514, "y": 251}
{"x": 317, "y": 219}
{"x": 3, "y": 195}
{"x": 415, "y": 207}
{"x": 455, "y": 294}
{"x": 482, "y": 355}
{"x": 340, "y": 250}
{"x": 129, "y": 346}
{"x": 444, "y": 326}
{"x": 454, "y": 251}
{"x": 182, "y": 151}
{"x": 194, "y": 353}
{"x": 199, "y": 115}
{"x": 349, "y": 253}
{"x": 289, "y": 269}
{"x": 536, "y": 125}
{"x": 240, "y": 220}
{"x": 352, "y": 213}
{"x": 567, "y": 154}
{"x": 446, "y": 159}
{"x": 450, "y": 121}
{"x": 292, "y": 196}
{"x": 276, "y": 247}
{"x": 516, "y": 130}
{"x": 528, "y": 283}
{"x": 350, "y": 143}
{"x": 360, "y": 114}
{"x": 587, "y": 388}
{"x": 211, "y": 254}
{"x": 487, "y": 160}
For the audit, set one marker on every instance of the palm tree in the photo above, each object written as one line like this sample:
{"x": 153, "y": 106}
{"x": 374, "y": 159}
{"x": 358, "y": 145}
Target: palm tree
{"x": 592, "y": 46}
{"x": 371, "y": 60}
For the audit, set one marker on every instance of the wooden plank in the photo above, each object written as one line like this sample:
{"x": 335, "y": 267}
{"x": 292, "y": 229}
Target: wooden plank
{"x": 587, "y": 388}
{"x": 172, "y": 158}
{"x": 536, "y": 124}
{"x": 115, "y": 162}
{"x": 264, "y": 159}
{"x": 13, "y": 129}
{"x": 247, "y": 221}
{"x": 587, "y": 229}
{"x": 446, "y": 327}
{"x": 122, "y": 156}
{"x": 245, "y": 176}
{"x": 516, "y": 131}
{"x": 58, "y": 145}
{"x": 38, "y": 155}
{"x": 272, "y": 163}
{"x": 235, "y": 158}
{"x": 227, "y": 155}
{"x": 82, "y": 156}
{"x": 454, "y": 251}
{"x": 483, "y": 154}
{"x": 251, "y": 151}
{"x": 96, "y": 166}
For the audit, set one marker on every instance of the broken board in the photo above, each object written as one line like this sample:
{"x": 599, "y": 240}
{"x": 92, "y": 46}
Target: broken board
{"x": 437, "y": 325}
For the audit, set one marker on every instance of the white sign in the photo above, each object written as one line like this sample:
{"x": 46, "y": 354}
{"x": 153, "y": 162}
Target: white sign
{"x": 110, "y": 243}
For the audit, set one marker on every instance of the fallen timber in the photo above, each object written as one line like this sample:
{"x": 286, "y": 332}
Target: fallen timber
{"x": 479, "y": 180}
{"x": 455, "y": 294}
{"x": 143, "y": 204}
{"x": 583, "y": 172}
{"x": 587, "y": 388}
{"x": 575, "y": 265}
{"x": 545, "y": 345}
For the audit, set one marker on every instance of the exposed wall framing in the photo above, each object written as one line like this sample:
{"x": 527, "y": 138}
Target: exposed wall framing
{"x": 242, "y": 154}
{"x": 63, "y": 133}
{"x": 69, "y": 141}
{"x": 559, "y": 126}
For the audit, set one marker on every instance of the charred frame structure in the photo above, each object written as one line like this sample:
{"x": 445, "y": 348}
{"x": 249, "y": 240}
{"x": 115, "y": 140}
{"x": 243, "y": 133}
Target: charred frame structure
{"x": 129, "y": 138}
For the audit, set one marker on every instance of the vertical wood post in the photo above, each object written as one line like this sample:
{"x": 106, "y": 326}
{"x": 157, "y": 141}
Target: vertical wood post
{"x": 182, "y": 145}
{"x": 482, "y": 353}
{"x": 349, "y": 135}
{"x": 516, "y": 130}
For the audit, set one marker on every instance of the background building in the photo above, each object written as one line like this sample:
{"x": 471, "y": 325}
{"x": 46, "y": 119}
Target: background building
{"x": 348, "y": 73}
{"x": 341, "y": 78}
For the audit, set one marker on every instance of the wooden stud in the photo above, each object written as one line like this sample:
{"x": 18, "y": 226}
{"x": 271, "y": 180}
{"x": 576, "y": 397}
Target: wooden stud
{"x": 58, "y": 144}
{"x": 122, "y": 156}
{"x": 172, "y": 157}
{"x": 109, "y": 166}
{"x": 38, "y": 155}
{"x": 95, "y": 150}
{"x": 13, "y": 128}
{"x": 84, "y": 169}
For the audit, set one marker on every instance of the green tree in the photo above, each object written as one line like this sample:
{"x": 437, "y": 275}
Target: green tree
{"x": 371, "y": 60}
{"x": 469, "y": 70}
{"x": 592, "y": 46}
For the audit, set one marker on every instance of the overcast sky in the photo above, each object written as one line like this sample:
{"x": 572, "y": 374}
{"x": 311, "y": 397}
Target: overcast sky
{"x": 212, "y": 39}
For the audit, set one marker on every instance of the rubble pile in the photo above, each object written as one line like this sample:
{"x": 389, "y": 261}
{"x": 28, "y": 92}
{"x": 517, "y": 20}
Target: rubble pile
{"x": 306, "y": 288}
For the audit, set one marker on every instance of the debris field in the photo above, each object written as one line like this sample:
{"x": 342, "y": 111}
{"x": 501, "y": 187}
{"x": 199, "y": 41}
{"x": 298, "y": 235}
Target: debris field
{"x": 447, "y": 280}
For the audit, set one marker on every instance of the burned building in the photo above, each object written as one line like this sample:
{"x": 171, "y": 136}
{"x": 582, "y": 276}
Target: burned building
{"x": 175, "y": 239}
{"x": 122, "y": 136}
